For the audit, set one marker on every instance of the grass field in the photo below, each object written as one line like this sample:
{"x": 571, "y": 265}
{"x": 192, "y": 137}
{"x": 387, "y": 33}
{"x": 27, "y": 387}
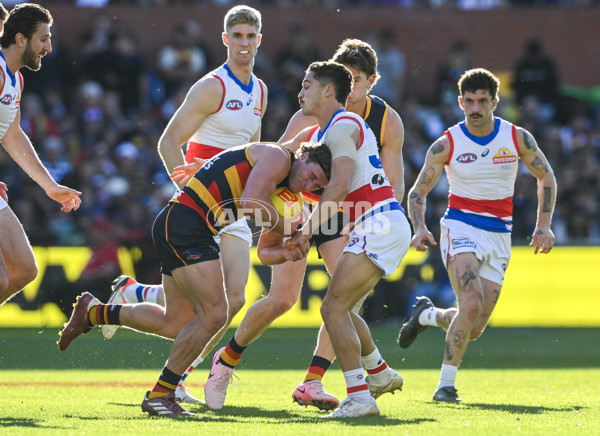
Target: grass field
{"x": 513, "y": 381}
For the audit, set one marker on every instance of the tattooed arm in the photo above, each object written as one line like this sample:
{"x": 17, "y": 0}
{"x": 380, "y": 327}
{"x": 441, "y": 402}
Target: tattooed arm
{"x": 435, "y": 160}
{"x": 543, "y": 238}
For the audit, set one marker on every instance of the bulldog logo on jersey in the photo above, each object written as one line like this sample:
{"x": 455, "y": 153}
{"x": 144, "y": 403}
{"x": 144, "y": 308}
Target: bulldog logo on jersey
{"x": 503, "y": 156}
{"x": 6, "y": 99}
{"x": 257, "y": 108}
{"x": 234, "y": 105}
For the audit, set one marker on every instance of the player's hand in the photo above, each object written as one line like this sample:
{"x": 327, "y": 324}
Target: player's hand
{"x": 3, "y": 189}
{"x": 183, "y": 173}
{"x": 67, "y": 197}
{"x": 296, "y": 239}
{"x": 300, "y": 251}
{"x": 345, "y": 232}
{"x": 420, "y": 238}
{"x": 542, "y": 240}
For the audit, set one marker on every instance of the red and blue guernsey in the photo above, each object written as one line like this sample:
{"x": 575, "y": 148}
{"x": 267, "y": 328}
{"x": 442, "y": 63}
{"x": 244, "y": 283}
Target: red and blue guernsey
{"x": 482, "y": 172}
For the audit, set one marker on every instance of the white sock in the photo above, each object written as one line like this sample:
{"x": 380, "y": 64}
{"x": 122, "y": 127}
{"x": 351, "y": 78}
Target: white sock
{"x": 140, "y": 293}
{"x": 356, "y": 385}
{"x": 429, "y": 316}
{"x": 373, "y": 360}
{"x": 448, "y": 376}
{"x": 197, "y": 362}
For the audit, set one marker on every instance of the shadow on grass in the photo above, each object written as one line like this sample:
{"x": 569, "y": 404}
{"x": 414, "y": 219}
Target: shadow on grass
{"x": 517, "y": 408}
{"x": 23, "y": 422}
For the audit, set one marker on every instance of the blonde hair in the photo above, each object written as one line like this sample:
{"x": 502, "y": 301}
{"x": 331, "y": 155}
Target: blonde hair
{"x": 242, "y": 14}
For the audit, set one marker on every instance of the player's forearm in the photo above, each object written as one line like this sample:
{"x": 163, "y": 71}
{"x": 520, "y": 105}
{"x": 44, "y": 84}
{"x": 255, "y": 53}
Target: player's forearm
{"x": 272, "y": 255}
{"x": 546, "y": 193}
{"x": 327, "y": 207}
{"x": 417, "y": 204}
{"x": 22, "y": 152}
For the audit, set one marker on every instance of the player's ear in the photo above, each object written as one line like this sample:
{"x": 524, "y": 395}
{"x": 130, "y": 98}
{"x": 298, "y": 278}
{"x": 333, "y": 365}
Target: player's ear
{"x": 258, "y": 39}
{"x": 461, "y": 103}
{"x": 225, "y": 38}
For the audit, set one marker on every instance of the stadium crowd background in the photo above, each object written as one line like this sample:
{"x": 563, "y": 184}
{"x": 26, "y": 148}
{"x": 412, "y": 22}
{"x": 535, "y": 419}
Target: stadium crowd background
{"x": 95, "y": 113}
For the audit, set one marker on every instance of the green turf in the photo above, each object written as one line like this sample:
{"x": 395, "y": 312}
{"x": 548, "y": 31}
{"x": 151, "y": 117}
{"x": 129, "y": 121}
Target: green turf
{"x": 513, "y": 381}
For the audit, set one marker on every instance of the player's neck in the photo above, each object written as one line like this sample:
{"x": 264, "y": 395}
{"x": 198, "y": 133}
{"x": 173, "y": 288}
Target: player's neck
{"x": 242, "y": 72}
{"x": 13, "y": 58}
{"x": 325, "y": 115}
{"x": 358, "y": 108}
{"x": 483, "y": 130}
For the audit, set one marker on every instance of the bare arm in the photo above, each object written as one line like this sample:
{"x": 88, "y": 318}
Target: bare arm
{"x": 202, "y": 100}
{"x": 271, "y": 250}
{"x": 543, "y": 238}
{"x": 297, "y": 124}
{"x": 391, "y": 153}
{"x": 19, "y": 147}
{"x": 433, "y": 167}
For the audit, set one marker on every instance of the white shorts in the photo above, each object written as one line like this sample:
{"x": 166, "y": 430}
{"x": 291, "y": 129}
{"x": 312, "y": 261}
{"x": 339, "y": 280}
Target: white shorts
{"x": 3, "y": 203}
{"x": 384, "y": 237}
{"x": 492, "y": 249}
{"x": 239, "y": 228}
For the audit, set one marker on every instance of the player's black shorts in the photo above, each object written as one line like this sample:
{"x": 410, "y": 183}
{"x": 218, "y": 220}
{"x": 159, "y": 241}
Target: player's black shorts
{"x": 330, "y": 230}
{"x": 182, "y": 238}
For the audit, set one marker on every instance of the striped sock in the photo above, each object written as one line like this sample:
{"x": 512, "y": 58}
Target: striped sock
{"x": 167, "y": 383}
{"x": 232, "y": 354}
{"x": 317, "y": 368}
{"x": 356, "y": 386}
{"x": 373, "y": 362}
{"x": 149, "y": 293}
{"x": 104, "y": 314}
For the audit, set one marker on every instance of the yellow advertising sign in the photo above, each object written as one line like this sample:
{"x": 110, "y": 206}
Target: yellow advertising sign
{"x": 555, "y": 290}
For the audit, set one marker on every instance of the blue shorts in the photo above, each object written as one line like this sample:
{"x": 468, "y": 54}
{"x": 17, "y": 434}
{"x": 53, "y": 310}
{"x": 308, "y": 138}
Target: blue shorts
{"x": 182, "y": 238}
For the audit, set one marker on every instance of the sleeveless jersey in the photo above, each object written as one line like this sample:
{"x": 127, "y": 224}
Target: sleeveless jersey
{"x": 215, "y": 191}
{"x": 481, "y": 173}
{"x": 236, "y": 120}
{"x": 376, "y": 117}
{"x": 369, "y": 184}
{"x": 10, "y": 96}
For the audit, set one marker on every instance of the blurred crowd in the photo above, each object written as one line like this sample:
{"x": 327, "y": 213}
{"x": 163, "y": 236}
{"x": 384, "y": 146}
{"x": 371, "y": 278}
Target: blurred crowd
{"x": 95, "y": 117}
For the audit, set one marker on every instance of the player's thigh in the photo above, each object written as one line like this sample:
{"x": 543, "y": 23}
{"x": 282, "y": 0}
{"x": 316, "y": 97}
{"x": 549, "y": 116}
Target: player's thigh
{"x": 202, "y": 284}
{"x": 331, "y": 251}
{"x": 463, "y": 271}
{"x": 354, "y": 275}
{"x": 235, "y": 260}
{"x": 14, "y": 244}
{"x": 177, "y": 305}
{"x": 286, "y": 281}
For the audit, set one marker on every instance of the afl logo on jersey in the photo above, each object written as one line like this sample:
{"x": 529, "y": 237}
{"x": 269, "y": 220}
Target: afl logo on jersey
{"x": 234, "y": 105}
{"x": 466, "y": 158}
{"x": 6, "y": 99}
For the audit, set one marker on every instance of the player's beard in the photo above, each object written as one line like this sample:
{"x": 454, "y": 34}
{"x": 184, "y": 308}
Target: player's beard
{"x": 31, "y": 59}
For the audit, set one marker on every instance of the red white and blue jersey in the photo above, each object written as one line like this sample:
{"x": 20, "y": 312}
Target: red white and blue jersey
{"x": 236, "y": 120}
{"x": 10, "y": 96}
{"x": 481, "y": 173}
{"x": 369, "y": 184}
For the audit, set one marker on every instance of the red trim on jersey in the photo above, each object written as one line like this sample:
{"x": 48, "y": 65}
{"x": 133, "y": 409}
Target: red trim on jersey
{"x": 362, "y": 133}
{"x": 451, "y": 139}
{"x": 214, "y": 191}
{"x": 262, "y": 95}
{"x": 224, "y": 91}
{"x": 501, "y": 208}
{"x": 201, "y": 151}
{"x": 311, "y": 132}
{"x": 3, "y": 81}
{"x": 514, "y": 136}
{"x": 243, "y": 169}
{"x": 20, "y": 80}
{"x": 365, "y": 197}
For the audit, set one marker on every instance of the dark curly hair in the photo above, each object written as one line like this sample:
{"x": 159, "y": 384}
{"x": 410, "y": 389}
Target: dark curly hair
{"x": 318, "y": 153}
{"x": 24, "y": 18}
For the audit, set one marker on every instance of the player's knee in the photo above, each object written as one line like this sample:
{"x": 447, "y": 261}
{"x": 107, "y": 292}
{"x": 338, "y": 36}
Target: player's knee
{"x": 282, "y": 303}
{"x": 24, "y": 276}
{"x": 216, "y": 319}
{"x": 471, "y": 307}
{"x": 329, "y": 309}
{"x": 235, "y": 305}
